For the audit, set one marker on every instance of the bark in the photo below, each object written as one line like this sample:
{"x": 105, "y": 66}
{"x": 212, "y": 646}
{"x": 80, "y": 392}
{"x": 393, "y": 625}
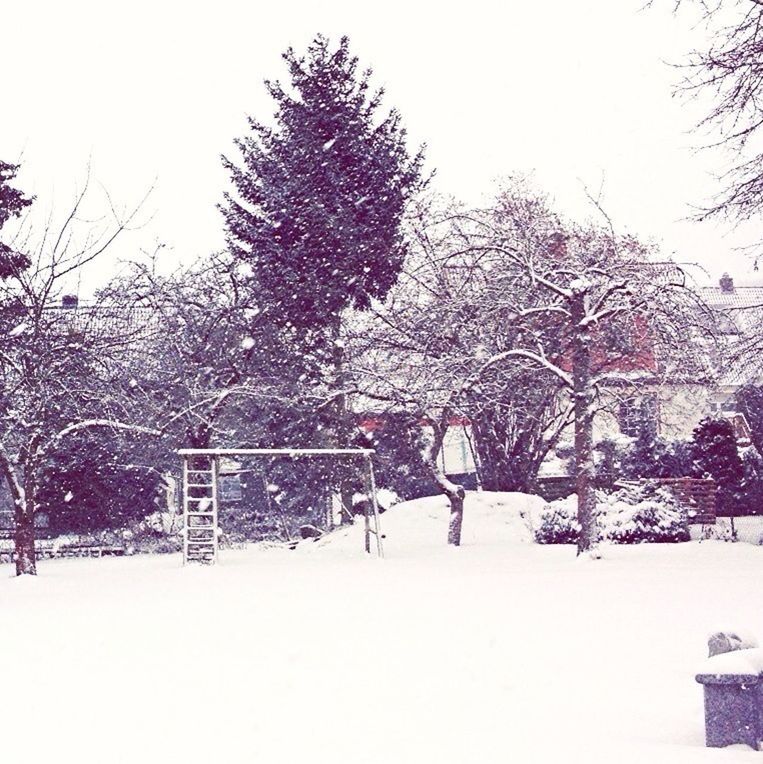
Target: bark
{"x": 456, "y": 515}
{"x": 343, "y": 430}
{"x": 583, "y": 406}
{"x": 453, "y": 491}
{"x": 23, "y": 495}
{"x": 26, "y": 563}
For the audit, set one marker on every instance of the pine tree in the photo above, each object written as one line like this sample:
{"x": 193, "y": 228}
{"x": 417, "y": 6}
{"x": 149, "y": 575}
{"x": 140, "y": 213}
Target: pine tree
{"x": 319, "y": 199}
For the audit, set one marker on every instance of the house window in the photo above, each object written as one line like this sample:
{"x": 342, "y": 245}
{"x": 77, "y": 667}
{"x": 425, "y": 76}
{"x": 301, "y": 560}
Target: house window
{"x": 639, "y": 416}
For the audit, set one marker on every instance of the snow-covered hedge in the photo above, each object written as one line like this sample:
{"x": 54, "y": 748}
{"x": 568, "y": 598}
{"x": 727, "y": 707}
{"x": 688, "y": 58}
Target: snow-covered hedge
{"x": 631, "y": 515}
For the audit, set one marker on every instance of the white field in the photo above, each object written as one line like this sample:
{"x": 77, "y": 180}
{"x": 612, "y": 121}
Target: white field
{"x": 499, "y": 651}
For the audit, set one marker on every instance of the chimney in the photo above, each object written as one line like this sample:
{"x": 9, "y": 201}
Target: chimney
{"x": 727, "y": 283}
{"x": 69, "y": 301}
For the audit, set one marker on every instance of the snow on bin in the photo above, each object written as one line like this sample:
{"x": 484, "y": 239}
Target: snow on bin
{"x": 733, "y": 683}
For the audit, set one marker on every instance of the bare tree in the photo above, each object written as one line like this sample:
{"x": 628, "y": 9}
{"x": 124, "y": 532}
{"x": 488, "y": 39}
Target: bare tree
{"x": 424, "y": 351}
{"x": 594, "y": 309}
{"x": 730, "y": 71}
{"x": 58, "y": 363}
{"x": 209, "y": 348}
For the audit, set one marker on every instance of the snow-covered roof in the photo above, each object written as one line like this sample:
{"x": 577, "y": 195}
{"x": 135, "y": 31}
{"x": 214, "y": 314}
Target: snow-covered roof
{"x": 739, "y": 316}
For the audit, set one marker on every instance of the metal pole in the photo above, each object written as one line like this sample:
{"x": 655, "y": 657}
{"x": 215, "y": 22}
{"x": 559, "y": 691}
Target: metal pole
{"x": 367, "y": 531}
{"x": 379, "y": 549}
{"x": 185, "y": 510}
{"x": 215, "y": 467}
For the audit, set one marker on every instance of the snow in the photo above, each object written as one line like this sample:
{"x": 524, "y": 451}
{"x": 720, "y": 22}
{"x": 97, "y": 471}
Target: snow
{"x": 748, "y": 661}
{"x": 18, "y": 330}
{"x": 501, "y": 650}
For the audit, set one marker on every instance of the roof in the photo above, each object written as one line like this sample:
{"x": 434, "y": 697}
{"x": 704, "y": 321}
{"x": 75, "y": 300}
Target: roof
{"x": 738, "y": 298}
{"x": 739, "y": 315}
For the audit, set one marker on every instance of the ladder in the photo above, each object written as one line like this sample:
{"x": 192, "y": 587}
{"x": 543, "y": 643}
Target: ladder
{"x": 200, "y": 504}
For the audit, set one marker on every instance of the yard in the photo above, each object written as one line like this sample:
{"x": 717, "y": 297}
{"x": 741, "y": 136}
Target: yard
{"x": 495, "y": 652}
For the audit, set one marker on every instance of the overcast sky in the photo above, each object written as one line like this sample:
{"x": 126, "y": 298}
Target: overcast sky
{"x": 575, "y": 93}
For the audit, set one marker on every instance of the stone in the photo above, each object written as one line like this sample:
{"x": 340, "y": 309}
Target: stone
{"x": 728, "y": 641}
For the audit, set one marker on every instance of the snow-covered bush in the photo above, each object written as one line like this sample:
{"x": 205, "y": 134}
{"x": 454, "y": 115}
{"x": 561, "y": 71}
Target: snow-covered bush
{"x": 159, "y": 533}
{"x": 639, "y": 514}
{"x": 558, "y": 522}
{"x": 630, "y": 515}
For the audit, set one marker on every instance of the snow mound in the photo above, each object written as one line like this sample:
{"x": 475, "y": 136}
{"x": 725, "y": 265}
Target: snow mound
{"x": 490, "y": 518}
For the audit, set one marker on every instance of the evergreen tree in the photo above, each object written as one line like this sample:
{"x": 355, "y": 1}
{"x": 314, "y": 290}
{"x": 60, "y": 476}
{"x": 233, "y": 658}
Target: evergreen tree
{"x": 751, "y": 499}
{"x": 316, "y": 216}
{"x": 715, "y": 455}
{"x": 320, "y": 196}
{"x": 12, "y": 204}
{"x": 749, "y": 401}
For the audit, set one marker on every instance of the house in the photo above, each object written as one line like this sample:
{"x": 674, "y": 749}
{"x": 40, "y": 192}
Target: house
{"x": 673, "y": 409}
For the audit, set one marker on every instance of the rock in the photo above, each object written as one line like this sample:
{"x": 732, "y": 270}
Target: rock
{"x": 728, "y": 641}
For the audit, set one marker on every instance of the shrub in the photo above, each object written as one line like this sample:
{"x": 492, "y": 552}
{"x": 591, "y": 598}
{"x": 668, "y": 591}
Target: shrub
{"x": 558, "y": 522}
{"x": 642, "y": 514}
{"x": 750, "y": 498}
{"x": 629, "y": 459}
{"x": 632, "y": 515}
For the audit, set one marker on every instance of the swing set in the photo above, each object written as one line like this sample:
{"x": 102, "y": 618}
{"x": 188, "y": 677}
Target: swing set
{"x": 201, "y": 494}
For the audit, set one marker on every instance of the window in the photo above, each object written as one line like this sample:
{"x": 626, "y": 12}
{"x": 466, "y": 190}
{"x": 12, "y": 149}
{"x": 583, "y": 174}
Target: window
{"x": 639, "y": 416}
{"x": 230, "y": 488}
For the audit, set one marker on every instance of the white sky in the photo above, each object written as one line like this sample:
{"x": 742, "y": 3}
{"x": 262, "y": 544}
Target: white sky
{"x": 157, "y": 90}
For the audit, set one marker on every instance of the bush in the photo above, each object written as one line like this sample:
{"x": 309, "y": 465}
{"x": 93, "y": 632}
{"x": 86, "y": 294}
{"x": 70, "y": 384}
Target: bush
{"x": 642, "y": 514}
{"x": 558, "y": 522}
{"x": 628, "y": 459}
{"x": 632, "y": 515}
{"x": 749, "y": 499}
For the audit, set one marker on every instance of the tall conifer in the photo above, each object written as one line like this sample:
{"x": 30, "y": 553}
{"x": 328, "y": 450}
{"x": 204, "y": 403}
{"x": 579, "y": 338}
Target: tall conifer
{"x": 319, "y": 196}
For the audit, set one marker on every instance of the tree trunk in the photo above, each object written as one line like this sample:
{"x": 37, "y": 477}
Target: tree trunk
{"x": 26, "y": 562}
{"x": 583, "y": 403}
{"x": 343, "y": 429}
{"x": 456, "y": 498}
{"x": 22, "y": 493}
{"x": 453, "y": 491}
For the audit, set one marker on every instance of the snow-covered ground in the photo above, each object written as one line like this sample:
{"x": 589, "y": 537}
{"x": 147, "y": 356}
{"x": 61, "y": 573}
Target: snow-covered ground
{"x": 500, "y": 651}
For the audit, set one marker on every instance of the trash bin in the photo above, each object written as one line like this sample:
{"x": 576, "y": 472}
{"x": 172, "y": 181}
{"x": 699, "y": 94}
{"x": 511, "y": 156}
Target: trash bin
{"x": 733, "y": 709}
{"x": 733, "y": 683}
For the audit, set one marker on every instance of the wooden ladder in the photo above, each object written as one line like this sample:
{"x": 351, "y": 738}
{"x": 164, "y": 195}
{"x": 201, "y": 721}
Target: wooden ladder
{"x": 200, "y": 504}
